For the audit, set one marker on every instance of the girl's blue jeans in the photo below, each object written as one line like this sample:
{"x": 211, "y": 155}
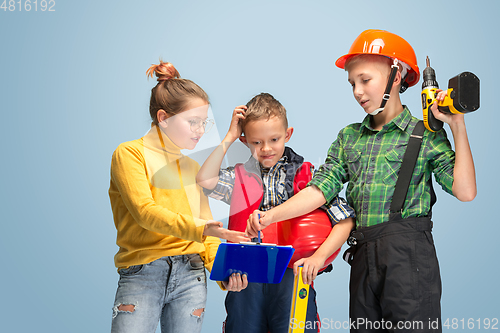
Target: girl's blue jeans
{"x": 170, "y": 290}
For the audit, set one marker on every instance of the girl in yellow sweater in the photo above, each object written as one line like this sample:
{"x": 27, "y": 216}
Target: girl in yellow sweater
{"x": 165, "y": 232}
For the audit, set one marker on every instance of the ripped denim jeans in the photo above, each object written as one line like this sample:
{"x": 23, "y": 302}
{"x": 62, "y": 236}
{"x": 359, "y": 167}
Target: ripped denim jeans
{"x": 170, "y": 290}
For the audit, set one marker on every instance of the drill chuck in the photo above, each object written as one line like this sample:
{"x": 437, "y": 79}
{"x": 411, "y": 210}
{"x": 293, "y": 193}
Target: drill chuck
{"x": 429, "y": 77}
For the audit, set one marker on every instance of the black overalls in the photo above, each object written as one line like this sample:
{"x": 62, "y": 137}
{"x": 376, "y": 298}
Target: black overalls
{"x": 395, "y": 284}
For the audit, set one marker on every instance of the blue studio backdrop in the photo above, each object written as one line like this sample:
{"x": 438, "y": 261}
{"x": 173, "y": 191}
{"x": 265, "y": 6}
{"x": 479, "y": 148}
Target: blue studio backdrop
{"x": 73, "y": 87}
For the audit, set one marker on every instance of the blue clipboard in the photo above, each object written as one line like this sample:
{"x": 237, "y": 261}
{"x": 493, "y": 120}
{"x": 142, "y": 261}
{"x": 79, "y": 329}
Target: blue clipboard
{"x": 262, "y": 263}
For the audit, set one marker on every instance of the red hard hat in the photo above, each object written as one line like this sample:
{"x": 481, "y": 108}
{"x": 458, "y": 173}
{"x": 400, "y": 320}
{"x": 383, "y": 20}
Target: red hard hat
{"x": 387, "y": 44}
{"x": 306, "y": 233}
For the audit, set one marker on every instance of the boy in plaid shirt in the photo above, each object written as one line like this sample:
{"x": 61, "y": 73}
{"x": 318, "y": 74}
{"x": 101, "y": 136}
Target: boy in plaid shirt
{"x": 395, "y": 275}
{"x": 260, "y": 308}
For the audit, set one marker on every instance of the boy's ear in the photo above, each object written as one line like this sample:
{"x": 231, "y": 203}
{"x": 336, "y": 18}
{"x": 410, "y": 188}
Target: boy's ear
{"x": 397, "y": 78}
{"x": 244, "y": 140}
{"x": 289, "y": 132}
{"x": 396, "y": 84}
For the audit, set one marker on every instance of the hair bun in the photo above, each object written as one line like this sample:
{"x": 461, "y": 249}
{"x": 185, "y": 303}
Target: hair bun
{"x": 163, "y": 71}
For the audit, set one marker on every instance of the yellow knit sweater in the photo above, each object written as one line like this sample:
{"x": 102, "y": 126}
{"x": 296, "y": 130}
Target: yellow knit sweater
{"x": 158, "y": 208}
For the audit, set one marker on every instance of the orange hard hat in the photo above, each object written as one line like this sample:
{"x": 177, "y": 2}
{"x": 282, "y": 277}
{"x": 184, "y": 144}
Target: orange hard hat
{"x": 386, "y": 44}
{"x": 305, "y": 233}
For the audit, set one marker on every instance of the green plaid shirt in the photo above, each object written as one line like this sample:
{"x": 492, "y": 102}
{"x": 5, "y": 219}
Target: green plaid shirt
{"x": 370, "y": 161}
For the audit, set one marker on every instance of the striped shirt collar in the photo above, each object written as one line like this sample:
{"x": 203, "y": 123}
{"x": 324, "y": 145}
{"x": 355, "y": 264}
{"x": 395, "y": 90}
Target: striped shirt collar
{"x": 289, "y": 157}
{"x": 281, "y": 163}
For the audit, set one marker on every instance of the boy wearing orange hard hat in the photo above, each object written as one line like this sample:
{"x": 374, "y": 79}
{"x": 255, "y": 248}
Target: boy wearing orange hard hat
{"x": 388, "y": 160}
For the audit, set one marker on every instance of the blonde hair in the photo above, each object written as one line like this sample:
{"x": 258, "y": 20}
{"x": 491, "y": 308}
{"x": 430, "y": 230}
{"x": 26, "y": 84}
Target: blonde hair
{"x": 375, "y": 58}
{"x": 264, "y": 106}
{"x": 366, "y": 58}
{"x": 171, "y": 93}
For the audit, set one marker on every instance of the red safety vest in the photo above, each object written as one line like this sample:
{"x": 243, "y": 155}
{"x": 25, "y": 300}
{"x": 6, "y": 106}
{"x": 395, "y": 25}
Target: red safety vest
{"x": 248, "y": 193}
{"x": 305, "y": 233}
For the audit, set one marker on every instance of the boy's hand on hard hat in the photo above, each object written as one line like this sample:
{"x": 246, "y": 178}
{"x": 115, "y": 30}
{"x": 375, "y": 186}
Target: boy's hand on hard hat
{"x": 254, "y": 224}
{"x": 444, "y": 117}
{"x": 237, "y": 282}
{"x": 310, "y": 268}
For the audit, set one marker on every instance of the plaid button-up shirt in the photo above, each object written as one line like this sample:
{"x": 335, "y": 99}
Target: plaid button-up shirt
{"x": 370, "y": 161}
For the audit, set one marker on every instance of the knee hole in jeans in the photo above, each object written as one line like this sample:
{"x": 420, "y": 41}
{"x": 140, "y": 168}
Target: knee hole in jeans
{"x": 126, "y": 308}
{"x": 123, "y": 308}
{"x": 198, "y": 312}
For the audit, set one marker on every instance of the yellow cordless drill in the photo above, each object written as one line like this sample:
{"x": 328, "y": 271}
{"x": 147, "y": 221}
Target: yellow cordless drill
{"x": 462, "y": 97}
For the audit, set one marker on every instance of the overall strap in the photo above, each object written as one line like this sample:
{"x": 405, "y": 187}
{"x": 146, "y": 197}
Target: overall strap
{"x": 407, "y": 167}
